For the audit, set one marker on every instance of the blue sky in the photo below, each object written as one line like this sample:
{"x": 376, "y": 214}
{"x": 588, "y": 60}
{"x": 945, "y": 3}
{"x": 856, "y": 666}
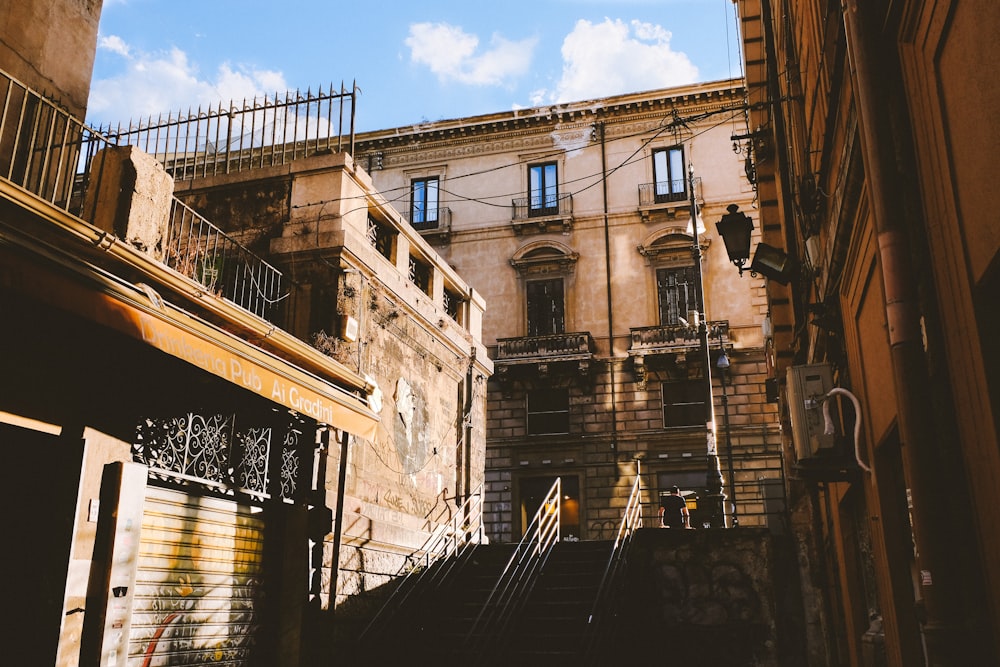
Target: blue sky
{"x": 413, "y": 61}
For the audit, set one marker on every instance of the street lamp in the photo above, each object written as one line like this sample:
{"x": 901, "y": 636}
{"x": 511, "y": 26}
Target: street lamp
{"x": 713, "y": 476}
{"x": 735, "y": 228}
{"x": 723, "y": 364}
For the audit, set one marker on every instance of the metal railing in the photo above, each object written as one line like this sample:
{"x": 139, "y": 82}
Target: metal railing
{"x": 429, "y": 220}
{"x": 526, "y": 208}
{"x": 49, "y": 153}
{"x": 605, "y": 601}
{"x": 447, "y": 544}
{"x": 260, "y": 133}
{"x": 518, "y": 576}
{"x": 202, "y": 251}
{"x": 663, "y": 192}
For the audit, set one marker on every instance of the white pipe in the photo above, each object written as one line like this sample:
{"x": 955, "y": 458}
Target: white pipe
{"x": 829, "y": 428}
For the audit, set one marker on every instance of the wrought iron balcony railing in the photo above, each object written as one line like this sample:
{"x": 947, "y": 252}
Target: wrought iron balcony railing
{"x": 530, "y": 208}
{"x": 567, "y": 345}
{"x": 434, "y": 219}
{"x": 202, "y": 251}
{"x": 663, "y": 192}
{"x": 51, "y": 155}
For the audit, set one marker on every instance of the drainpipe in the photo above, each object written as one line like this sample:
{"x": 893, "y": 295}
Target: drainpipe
{"x": 338, "y": 526}
{"x": 607, "y": 273}
{"x": 909, "y": 363}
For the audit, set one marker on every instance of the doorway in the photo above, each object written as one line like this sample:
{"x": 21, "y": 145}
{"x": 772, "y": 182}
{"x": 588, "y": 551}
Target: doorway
{"x": 532, "y": 491}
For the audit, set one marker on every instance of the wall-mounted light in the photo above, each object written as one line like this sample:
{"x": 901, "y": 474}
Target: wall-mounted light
{"x": 735, "y": 228}
{"x": 773, "y": 263}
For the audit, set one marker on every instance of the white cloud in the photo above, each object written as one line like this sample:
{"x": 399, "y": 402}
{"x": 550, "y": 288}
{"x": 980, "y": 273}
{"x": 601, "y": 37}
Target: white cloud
{"x": 152, "y": 84}
{"x": 613, "y": 57}
{"x": 451, "y": 54}
{"x": 115, "y": 44}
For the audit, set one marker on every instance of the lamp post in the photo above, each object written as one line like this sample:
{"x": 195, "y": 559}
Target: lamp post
{"x": 723, "y": 365}
{"x": 713, "y": 476}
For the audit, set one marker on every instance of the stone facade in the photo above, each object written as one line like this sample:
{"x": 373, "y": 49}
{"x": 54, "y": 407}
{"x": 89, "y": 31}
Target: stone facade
{"x": 875, "y": 138}
{"x": 360, "y": 305}
{"x": 709, "y": 598}
{"x": 602, "y": 242}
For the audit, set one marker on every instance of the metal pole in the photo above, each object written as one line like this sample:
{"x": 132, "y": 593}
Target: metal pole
{"x": 735, "y": 521}
{"x": 713, "y": 475}
{"x": 338, "y": 525}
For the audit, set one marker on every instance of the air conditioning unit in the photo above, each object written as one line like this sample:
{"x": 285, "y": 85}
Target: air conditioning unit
{"x": 807, "y": 387}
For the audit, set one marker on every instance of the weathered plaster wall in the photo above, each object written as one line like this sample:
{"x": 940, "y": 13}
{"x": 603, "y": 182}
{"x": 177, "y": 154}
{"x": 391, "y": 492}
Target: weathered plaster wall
{"x": 50, "y": 46}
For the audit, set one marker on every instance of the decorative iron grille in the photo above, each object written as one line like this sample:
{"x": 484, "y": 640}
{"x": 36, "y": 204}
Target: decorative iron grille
{"x": 211, "y": 451}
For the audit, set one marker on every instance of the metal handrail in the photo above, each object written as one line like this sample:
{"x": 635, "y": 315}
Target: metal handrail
{"x": 518, "y": 576}
{"x": 54, "y": 156}
{"x": 452, "y": 539}
{"x": 631, "y": 521}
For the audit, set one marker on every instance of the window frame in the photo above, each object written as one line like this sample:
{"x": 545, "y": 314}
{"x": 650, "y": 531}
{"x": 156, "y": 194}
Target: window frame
{"x": 673, "y": 306}
{"x": 689, "y": 410}
{"x": 543, "y": 195}
{"x": 551, "y": 414}
{"x": 554, "y": 317}
{"x": 665, "y": 189}
{"x": 422, "y": 213}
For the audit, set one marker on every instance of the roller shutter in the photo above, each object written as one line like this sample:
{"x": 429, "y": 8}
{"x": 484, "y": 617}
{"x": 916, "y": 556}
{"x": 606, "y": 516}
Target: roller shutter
{"x": 198, "y": 587}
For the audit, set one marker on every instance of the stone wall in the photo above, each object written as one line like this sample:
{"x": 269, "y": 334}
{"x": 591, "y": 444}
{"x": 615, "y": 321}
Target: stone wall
{"x": 708, "y": 597}
{"x": 605, "y": 465}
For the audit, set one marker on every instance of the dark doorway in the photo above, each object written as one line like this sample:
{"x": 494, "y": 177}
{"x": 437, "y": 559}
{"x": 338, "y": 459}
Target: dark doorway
{"x": 532, "y": 491}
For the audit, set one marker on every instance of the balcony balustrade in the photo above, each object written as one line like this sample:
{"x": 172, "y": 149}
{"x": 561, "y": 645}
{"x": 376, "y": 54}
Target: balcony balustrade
{"x": 670, "y": 197}
{"x": 550, "y": 346}
{"x": 53, "y": 157}
{"x": 664, "y": 341}
{"x": 538, "y": 355}
{"x": 541, "y": 213}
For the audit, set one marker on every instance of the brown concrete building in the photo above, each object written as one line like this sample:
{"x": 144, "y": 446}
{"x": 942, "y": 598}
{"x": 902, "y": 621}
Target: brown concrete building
{"x": 206, "y": 450}
{"x": 573, "y": 221}
{"x": 874, "y": 132}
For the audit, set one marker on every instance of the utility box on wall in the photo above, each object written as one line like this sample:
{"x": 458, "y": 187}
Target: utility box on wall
{"x": 807, "y": 387}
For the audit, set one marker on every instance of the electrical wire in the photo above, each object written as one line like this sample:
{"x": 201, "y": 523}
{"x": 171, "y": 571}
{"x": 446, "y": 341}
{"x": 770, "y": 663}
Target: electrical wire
{"x": 675, "y": 122}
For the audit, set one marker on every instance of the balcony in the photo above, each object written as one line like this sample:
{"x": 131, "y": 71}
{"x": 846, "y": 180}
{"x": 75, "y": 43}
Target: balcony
{"x": 656, "y": 347}
{"x": 205, "y": 253}
{"x": 671, "y": 197}
{"x": 538, "y": 214}
{"x": 59, "y": 160}
{"x": 433, "y": 224}
{"x": 538, "y": 356}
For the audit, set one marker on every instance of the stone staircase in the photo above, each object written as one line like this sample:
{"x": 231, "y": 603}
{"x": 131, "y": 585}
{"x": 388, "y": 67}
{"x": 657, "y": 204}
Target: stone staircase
{"x": 547, "y": 627}
{"x": 701, "y": 598}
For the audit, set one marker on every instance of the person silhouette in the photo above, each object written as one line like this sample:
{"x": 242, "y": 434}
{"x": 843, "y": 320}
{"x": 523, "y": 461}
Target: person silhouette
{"x": 673, "y": 510}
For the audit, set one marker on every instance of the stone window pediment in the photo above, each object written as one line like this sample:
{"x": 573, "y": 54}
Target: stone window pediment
{"x": 670, "y": 247}
{"x": 544, "y": 258}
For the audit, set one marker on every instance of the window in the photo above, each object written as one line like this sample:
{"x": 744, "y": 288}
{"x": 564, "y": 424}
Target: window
{"x": 546, "y": 313}
{"x": 543, "y": 189}
{"x": 684, "y": 403}
{"x": 668, "y": 174}
{"x": 424, "y": 203}
{"x": 677, "y": 293}
{"x": 548, "y": 411}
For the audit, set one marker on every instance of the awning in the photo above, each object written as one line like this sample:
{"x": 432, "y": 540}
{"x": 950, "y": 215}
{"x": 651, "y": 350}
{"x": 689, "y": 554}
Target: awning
{"x": 102, "y": 298}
